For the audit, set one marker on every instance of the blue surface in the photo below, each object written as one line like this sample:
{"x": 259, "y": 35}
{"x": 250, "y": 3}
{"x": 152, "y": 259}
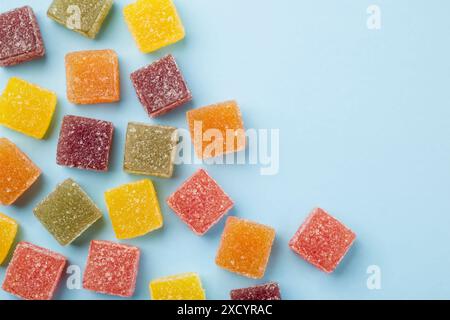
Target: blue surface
{"x": 364, "y": 133}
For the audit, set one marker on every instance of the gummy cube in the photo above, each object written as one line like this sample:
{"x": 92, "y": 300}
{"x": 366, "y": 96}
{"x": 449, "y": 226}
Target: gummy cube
{"x": 245, "y": 247}
{"x": 27, "y": 108}
{"x": 150, "y": 150}
{"x": 200, "y": 202}
{"x": 160, "y": 86}
{"x": 17, "y": 172}
{"x": 84, "y": 143}
{"x": 92, "y": 77}
{"x": 153, "y": 23}
{"x": 186, "y": 286}
{"x": 217, "y": 129}
{"x": 34, "y": 272}
{"x": 111, "y": 268}
{"x": 322, "y": 240}
{"x": 134, "y": 209}
{"x": 8, "y": 231}
{"x": 67, "y": 212}
{"x": 83, "y": 16}
{"x": 20, "y": 37}
{"x": 268, "y": 291}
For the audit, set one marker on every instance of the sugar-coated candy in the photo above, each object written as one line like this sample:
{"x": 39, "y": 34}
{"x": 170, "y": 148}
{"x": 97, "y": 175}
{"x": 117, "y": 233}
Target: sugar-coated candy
{"x": 17, "y": 172}
{"x": 92, "y": 77}
{"x": 322, "y": 240}
{"x": 200, "y": 202}
{"x": 186, "y": 286}
{"x": 27, "y": 108}
{"x": 34, "y": 272}
{"x": 160, "y": 86}
{"x": 217, "y": 129}
{"x": 245, "y": 247}
{"x": 153, "y": 23}
{"x": 83, "y": 16}
{"x": 111, "y": 268}
{"x": 20, "y": 37}
{"x": 84, "y": 143}
{"x": 8, "y": 231}
{"x": 134, "y": 209}
{"x": 67, "y": 212}
{"x": 268, "y": 291}
{"x": 150, "y": 150}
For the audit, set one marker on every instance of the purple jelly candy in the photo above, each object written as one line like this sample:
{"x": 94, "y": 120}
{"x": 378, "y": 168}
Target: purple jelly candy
{"x": 268, "y": 291}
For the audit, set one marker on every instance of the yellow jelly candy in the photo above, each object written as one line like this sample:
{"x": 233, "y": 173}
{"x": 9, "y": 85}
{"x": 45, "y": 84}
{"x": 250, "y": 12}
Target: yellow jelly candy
{"x": 134, "y": 209}
{"x": 8, "y": 231}
{"x": 186, "y": 286}
{"x": 153, "y": 23}
{"x": 27, "y": 108}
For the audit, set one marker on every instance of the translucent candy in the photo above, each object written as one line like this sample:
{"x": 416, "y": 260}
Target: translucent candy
{"x": 8, "y": 231}
{"x": 200, "y": 202}
{"x": 150, "y": 150}
{"x": 67, "y": 212}
{"x": 34, "y": 272}
{"x": 84, "y": 143}
{"x": 20, "y": 37}
{"x": 245, "y": 247}
{"x": 17, "y": 172}
{"x": 153, "y": 23}
{"x": 160, "y": 86}
{"x": 322, "y": 240}
{"x": 27, "y": 108}
{"x": 186, "y": 286}
{"x": 83, "y": 16}
{"x": 217, "y": 129}
{"x": 111, "y": 268}
{"x": 92, "y": 77}
{"x": 134, "y": 209}
{"x": 268, "y": 291}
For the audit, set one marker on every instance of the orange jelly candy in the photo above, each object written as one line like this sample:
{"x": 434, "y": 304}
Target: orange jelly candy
{"x": 17, "y": 172}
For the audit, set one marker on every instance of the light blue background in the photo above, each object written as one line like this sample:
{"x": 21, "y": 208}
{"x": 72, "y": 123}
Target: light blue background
{"x": 364, "y": 120}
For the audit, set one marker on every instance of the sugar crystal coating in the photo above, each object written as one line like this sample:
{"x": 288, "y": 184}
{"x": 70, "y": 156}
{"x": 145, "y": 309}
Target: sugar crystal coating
{"x": 111, "y": 268}
{"x": 268, "y": 291}
{"x": 34, "y": 272}
{"x": 186, "y": 286}
{"x": 8, "y": 231}
{"x": 322, "y": 240}
{"x": 200, "y": 202}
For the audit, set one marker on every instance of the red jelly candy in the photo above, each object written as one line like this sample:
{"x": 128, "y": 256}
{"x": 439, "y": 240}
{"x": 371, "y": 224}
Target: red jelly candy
{"x": 322, "y": 240}
{"x": 268, "y": 291}
{"x": 34, "y": 272}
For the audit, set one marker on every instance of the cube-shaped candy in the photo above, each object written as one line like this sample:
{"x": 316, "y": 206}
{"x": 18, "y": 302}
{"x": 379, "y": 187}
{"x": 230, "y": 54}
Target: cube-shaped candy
{"x": 245, "y": 247}
{"x": 67, "y": 212}
{"x": 92, "y": 77}
{"x": 322, "y": 240}
{"x": 186, "y": 286}
{"x": 20, "y": 37}
{"x": 153, "y": 23}
{"x": 268, "y": 291}
{"x": 200, "y": 202}
{"x": 134, "y": 209}
{"x": 84, "y": 143}
{"x": 111, "y": 268}
{"x": 27, "y": 108}
{"x": 217, "y": 129}
{"x": 160, "y": 86}
{"x": 34, "y": 272}
{"x": 8, "y": 231}
{"x": 17, "y": 172}
{"x": 83, "y": 16}
{"x": 150, "y": 150}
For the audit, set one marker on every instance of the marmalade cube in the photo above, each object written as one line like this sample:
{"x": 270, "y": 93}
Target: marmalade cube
{"x": 186, "y": 286}
{"x": 267, "y": 291}
{"x": 8, "y": 232}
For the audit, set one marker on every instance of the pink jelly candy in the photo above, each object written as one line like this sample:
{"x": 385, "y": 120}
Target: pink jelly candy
{"x": 268, "y": 291}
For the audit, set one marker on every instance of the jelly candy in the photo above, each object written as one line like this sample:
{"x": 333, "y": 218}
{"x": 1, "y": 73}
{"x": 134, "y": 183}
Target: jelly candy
{"x": 111, "y": 268}
{"x": 186, "y": 286}
{"x": 268, "y": 291}
{"x": 84, "y": 143}
{"x": 160, "y": 86}
{"x": 67, "y": 212}
{"x": 245, "y": 247}
{"x": 153, "y": 23}
{"x": 200, "y": 202}
{"x": 8, "y": 231}
{"x": 322, "y": 240}
{"x": 27, "y": 108}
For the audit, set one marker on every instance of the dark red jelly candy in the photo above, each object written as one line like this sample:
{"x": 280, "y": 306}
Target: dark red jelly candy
{"x": 268, "y": 291}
